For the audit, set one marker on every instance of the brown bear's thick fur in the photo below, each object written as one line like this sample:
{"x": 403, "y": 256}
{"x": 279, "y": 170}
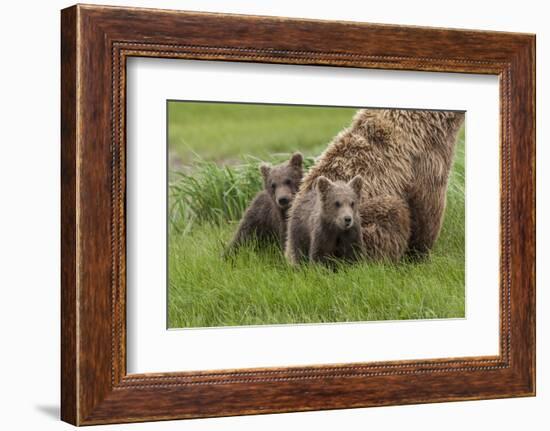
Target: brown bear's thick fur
{"x": 404, "y": 158}
{"x": 386, "y": 227}
{"x": 265, "y": 218}
{"x": 326, "y": 223}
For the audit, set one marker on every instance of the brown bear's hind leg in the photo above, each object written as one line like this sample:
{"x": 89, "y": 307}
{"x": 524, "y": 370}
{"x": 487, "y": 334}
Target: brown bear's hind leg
{"x": 427, "y": 206}
{"x": 385, "y": 226}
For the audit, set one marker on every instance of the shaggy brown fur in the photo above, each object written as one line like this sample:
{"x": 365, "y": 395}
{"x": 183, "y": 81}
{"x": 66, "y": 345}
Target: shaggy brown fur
{"x": 326, "y": 223}
{"x": 265, "y": 219}
{"x": 404, "y": 157}
{"x": 386, "y": 227}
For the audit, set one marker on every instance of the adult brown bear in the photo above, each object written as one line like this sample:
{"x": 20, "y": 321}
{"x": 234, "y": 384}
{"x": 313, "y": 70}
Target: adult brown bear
{"x": 404, "y": 158}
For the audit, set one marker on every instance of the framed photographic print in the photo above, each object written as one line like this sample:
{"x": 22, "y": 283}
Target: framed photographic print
{"x": 264, "y": 215}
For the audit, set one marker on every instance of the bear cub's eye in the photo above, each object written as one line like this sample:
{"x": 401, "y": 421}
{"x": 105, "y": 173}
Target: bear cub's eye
{"x": 352, "y": 204}
{"x": 287, "y": 182}
{"x": 337, "y": 204}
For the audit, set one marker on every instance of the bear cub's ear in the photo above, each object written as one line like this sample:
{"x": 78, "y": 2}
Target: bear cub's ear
{"x": 356, "y": 184}
{"x": 296, "y": 160}
{"x": 265, "y": 169}
{"x": 323, "y": 185}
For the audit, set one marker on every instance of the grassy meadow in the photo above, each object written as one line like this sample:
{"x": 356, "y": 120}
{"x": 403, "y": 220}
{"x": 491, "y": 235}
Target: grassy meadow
{"x": 225, "y": 132}
{"x": 214, "y": 152}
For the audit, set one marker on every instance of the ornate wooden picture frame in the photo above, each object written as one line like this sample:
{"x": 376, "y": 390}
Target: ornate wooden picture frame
{"x": 96, "y": 41}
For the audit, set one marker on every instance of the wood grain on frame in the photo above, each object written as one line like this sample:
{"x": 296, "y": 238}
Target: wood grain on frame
{"x": 95, "y": 43}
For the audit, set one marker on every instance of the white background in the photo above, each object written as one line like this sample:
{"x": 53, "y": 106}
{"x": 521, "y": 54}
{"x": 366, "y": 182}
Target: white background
{"x": 151, "y": 348}
{"x": 29, "y": 216}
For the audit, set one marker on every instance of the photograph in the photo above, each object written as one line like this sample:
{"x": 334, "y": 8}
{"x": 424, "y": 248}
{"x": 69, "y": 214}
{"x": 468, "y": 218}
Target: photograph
{"x": 295, "y": 214}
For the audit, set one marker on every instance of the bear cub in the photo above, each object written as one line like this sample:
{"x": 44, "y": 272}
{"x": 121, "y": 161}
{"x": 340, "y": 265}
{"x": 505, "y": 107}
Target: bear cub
{"x": 325, "y": 223}
{"x": 266, "y": 217}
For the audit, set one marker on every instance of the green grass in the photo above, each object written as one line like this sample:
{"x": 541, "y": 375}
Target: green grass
{"x": 260, "y": 288}
{"x": 225, "y": 131}
{"x": 254, "y": 288}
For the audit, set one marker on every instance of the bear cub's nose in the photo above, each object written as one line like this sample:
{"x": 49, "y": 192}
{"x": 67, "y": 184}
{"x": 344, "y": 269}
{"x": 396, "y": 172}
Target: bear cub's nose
{"x": 347, "y": 220}
{"x": 283, "y": 201}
